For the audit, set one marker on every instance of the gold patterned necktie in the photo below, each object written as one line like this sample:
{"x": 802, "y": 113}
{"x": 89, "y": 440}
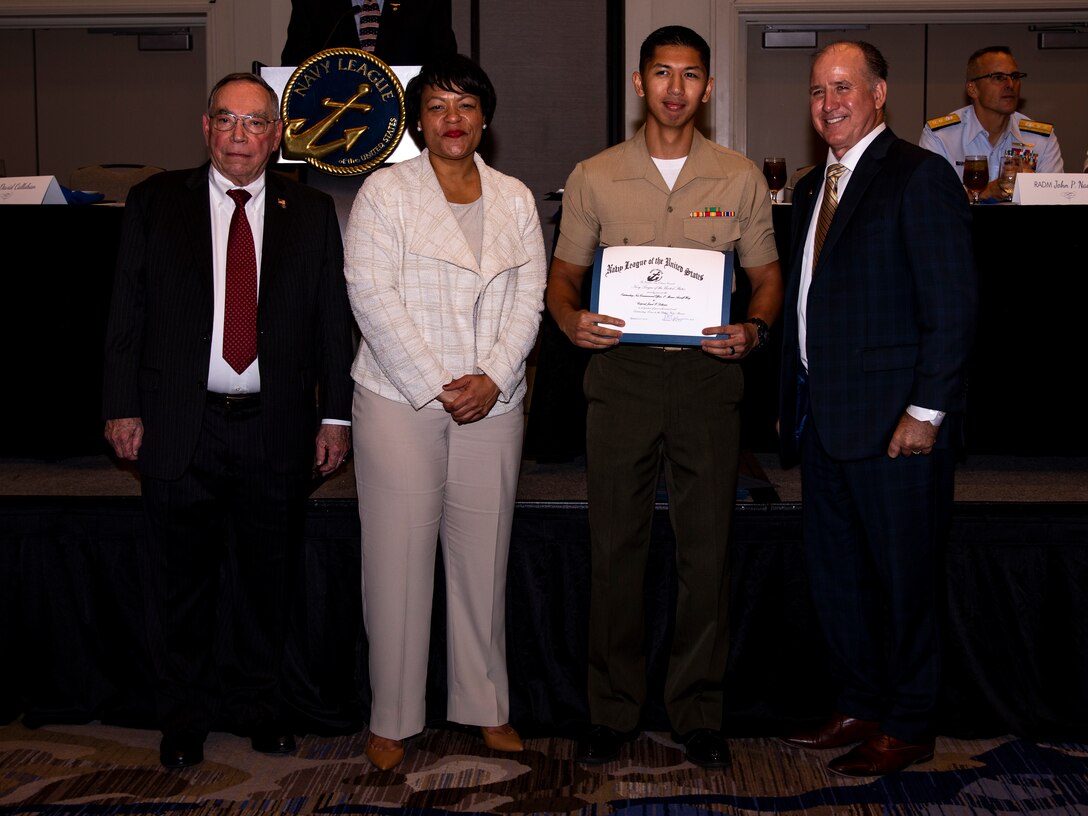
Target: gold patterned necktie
{"x": 827, "y": 208}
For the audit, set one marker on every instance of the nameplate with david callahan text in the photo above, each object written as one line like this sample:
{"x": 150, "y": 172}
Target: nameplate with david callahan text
{"x": 665, "y": 295}
{"x": 343, "y": 112}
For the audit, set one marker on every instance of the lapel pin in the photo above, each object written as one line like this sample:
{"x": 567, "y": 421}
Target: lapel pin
{"x": 282, "y": 203}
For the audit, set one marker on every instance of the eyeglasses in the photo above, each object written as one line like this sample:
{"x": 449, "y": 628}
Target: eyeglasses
{"x": 255, "y": 125}
{"x": 1000, "y": 77}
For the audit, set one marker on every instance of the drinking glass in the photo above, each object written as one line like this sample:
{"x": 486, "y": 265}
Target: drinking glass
{"x": 976, "y": 175}
{"x": 774, "y": 170}
{"x": 1006, "y": 179}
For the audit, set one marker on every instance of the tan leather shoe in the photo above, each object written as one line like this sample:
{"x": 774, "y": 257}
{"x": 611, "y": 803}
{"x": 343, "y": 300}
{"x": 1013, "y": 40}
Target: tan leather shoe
{"x": 838, "y": 731}
{"x": 384, "y": 754}
{"x": 501, "y": 738}
{"x": 881, "y": 755}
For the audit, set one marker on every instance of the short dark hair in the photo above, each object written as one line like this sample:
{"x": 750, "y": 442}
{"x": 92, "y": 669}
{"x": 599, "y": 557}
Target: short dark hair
{"x": 243, "y": 76}
{"x": 875, "y": 64}
{"x": 673, "y": 35}
{"x": 454, "y": 72}
{"x": 972, "y": 61}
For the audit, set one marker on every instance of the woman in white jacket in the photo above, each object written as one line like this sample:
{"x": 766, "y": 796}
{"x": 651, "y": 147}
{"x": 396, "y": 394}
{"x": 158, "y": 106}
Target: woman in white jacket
{"x": 445, "y": 268}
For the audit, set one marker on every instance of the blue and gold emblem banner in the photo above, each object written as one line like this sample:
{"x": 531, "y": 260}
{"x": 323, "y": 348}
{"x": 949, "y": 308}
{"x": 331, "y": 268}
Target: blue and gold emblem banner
{"x": 343, "y": 112}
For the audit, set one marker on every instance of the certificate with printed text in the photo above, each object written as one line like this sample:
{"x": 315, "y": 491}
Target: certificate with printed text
{"x": 665, "y": 295}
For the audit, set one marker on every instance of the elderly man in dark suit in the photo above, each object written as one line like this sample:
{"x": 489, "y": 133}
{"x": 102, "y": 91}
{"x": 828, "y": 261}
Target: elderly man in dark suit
{"x": 879, "y": 320}
{"x": 229, "y": 335}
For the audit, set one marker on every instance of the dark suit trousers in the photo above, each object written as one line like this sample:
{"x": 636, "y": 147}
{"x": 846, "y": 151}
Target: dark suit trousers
{"x": 874, "y": 532}
{"x": 649, "y": 409}
{"x": 223, "y": 539}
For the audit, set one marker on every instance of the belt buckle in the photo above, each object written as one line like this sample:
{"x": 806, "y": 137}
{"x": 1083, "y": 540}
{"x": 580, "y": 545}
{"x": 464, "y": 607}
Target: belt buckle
{"x": 234, "y": 402}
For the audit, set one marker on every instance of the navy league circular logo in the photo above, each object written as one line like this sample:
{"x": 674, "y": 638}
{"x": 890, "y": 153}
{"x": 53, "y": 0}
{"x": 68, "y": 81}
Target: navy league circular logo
{"x": 343, "y": 111}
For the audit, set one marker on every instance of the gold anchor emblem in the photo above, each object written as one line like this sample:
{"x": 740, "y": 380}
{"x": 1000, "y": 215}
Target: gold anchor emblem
{"x": 304, "y": 143}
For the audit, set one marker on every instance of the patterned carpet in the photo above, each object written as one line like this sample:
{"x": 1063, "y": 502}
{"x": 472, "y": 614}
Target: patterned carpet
{"x": 98, "y": 770}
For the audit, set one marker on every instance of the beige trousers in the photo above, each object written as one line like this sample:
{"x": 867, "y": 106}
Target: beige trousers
{"x": 422, "y": 478}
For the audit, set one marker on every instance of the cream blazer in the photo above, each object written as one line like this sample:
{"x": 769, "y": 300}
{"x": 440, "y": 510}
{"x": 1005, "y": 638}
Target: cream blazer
{"x": 427, "y": 311}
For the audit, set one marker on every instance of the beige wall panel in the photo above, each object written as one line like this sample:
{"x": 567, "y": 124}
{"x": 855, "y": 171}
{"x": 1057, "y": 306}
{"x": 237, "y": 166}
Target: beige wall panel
{"x": 547, "y": 61}
{"x": 927, "y": 68}
{"x": 461, "y": 12}
{"x": 259, "y": 34}
{"x": 778, "y": 79}
{"x": 279, "y": 15}
{"x": 17, "y": 139}
{"x": 101, "y": 101}
{"x": 642, "y": 18}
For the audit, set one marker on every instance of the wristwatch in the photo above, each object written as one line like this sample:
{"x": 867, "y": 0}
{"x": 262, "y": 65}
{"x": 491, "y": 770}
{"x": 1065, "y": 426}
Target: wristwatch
{"x": 763, "y": 331}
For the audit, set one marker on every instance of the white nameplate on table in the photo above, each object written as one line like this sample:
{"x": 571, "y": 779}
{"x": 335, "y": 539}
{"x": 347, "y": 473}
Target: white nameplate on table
{"x": 1051, "y": 188}
{"x": 31, "y": 190}
{"x": 665, "y": 295}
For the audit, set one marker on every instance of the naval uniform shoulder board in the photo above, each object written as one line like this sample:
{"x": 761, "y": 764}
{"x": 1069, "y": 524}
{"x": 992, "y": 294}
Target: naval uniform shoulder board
{"x": 945, "y": 121}
{"x": 1042, "y": 128}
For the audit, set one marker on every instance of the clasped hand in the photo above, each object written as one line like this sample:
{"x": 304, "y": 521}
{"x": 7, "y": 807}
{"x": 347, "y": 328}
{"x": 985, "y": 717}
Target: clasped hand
{"x": 469, "y": 398}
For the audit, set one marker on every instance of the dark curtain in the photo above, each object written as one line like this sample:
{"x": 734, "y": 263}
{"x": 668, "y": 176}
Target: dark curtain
{"x": 77, "y": 632}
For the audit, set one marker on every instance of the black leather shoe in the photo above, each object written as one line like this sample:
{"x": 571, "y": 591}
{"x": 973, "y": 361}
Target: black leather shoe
{"x": 706, "y": 748}
{"x": 599, "y": 745}
{"x": 181, "y": 750}
{"x": 272, "y": 742}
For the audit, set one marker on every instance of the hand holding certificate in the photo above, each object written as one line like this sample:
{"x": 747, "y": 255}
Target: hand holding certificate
{"x": 664, "y": 295}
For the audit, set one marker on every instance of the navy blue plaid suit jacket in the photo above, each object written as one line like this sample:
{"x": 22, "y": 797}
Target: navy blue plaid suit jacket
{"x": 891, "y": 308}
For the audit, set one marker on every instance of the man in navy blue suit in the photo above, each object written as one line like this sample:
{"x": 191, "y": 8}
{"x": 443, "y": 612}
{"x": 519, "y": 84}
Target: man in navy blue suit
{"x": 879, "y": 320}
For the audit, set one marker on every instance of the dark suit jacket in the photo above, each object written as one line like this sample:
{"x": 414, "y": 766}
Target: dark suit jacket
{"x": 891, "y": 308}
{"x": 158, "y": 342}
{"x": 409, "y": 33}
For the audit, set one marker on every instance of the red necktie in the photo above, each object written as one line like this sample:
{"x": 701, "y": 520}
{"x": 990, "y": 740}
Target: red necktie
{"x": 240, "y": 308}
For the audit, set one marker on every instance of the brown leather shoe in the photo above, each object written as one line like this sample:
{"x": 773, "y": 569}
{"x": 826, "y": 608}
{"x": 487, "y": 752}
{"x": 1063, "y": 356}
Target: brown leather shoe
{"x": 501, "y": 738}
{"x": 384, "y": 754}
{"x": 837, "y": 732}
{"x": 881, "y": 755}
